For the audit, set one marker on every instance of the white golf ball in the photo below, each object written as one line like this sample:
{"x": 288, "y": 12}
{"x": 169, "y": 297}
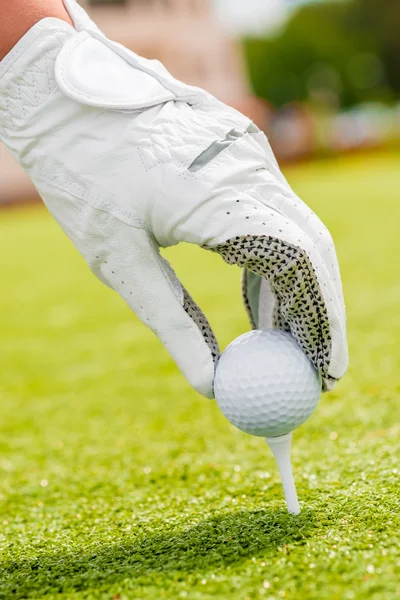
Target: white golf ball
{"x": 265, "y": 385}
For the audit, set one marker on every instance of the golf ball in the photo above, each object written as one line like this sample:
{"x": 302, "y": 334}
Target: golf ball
{"x": 265, "y": 385}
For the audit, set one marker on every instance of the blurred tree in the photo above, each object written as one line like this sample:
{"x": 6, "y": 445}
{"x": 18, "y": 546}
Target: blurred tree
{"x": 333, "y": 53}
{"x": 380, "y": 19}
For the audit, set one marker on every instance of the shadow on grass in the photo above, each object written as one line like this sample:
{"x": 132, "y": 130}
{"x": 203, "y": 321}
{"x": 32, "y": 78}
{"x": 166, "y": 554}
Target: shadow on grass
{"x": 216, "y": 542}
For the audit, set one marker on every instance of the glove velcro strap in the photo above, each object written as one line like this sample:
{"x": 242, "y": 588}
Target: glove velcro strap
{"x": 92, "y": 70}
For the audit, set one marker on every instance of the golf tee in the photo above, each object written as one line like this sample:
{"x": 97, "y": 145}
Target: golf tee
{"x": 281, "y": 447}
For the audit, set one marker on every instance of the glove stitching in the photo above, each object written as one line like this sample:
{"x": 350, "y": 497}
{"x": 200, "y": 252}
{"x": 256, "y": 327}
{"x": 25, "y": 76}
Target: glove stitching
{"x": 8, "y": 116}
{"x": 93, "y": 200}
{"x": 158, "y": 162}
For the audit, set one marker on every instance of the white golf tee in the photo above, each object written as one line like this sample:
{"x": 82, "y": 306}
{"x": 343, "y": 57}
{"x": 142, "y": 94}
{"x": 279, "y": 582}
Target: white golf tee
{"x": 281, "y": 447}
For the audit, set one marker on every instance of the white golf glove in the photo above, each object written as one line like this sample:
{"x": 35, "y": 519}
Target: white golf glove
{"x": 128, "y": 160}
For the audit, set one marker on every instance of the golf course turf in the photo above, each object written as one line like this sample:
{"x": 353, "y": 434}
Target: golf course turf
{"x": 118, "y": 482}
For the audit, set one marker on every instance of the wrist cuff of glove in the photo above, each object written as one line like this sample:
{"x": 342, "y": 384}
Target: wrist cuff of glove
{"x": 26, "y": 73}
{"x": 38, "y": 47}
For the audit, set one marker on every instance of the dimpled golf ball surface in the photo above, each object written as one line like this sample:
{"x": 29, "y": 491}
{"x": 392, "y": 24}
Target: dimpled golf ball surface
{"x": 265, "y": 385}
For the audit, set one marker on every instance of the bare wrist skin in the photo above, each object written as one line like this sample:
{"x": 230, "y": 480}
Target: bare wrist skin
{"x": 18, "y": 16}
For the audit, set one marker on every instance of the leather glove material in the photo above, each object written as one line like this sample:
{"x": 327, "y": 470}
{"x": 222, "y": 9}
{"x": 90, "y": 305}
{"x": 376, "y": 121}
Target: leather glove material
{"x": 128, "y": 160}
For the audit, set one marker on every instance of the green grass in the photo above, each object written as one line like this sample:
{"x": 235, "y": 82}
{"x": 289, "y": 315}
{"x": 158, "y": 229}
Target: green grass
{"x": 118, "y": 481}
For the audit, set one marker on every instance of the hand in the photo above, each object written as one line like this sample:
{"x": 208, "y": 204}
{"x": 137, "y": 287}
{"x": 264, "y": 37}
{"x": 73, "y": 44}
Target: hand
{"x": 128, "y": 160}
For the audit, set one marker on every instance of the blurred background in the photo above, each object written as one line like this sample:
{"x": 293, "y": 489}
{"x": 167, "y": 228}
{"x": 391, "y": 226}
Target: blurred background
{"x": 319, "y": 77}
{"x": 116, "y": 479}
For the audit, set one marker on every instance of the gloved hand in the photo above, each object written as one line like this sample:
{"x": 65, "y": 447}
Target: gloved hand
{"x": 128, "y": 160}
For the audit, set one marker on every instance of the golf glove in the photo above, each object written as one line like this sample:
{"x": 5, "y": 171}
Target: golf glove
{"x": 128, "y": 160}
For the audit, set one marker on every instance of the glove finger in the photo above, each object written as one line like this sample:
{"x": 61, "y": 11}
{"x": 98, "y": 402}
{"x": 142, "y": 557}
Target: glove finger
{"x": 291, "y": 206}
{"x": 301, "y": 292}
{"x": 150, "y": 287}
{"x": 127, "y": 259}
{"x": 287, "y": 203}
